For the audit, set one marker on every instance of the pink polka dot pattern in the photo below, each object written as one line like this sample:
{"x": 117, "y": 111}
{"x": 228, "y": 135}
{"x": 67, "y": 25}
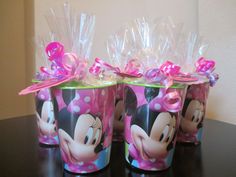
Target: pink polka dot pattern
{"x": 81, "y": 104}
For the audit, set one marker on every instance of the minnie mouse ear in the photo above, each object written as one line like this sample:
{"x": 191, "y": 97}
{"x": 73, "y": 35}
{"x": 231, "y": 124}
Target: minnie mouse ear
{"x": 65, "y": 119}
{"x": 151, "y": 93}
{"x": 185, "y": 107}
{"x": 144, "y": 117}
{"x": 39, "y": 106}
{"x": 68, "y": 95}
{"x": 55, "y": 106}
{"x": 130, "y": 101}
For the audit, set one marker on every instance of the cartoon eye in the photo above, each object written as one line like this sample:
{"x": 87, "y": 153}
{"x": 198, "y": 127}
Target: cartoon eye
{"x": 164, "y": 134}
{"x": 195, "y": 117}
{"x": 120, "y": 118}
{"x": 96, "y": 137}
{"x": 88, "y": 136}
{"x": 170, "y": 134}
{"x": 50, "y": 117}
{"x": 201, "y": 115}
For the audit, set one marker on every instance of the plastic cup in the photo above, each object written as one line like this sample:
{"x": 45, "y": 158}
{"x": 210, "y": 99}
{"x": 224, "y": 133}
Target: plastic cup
{"x": 152, "y": 117}
{"x": 118, "y": 124}
{"x": 85, "y": 117}
{"x": 47, "y": 125}
{"x": 193, "y": 113}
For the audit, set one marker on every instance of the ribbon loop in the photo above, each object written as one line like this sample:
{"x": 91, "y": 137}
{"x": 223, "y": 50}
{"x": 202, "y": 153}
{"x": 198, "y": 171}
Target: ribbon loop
{"x": 63, "y": 64}
{"x": 206, "y": 67}
{"x": 164, "y": 74}
{"x": 169, "y": 69}
{"x": 213, "y": 78}
{"x": 54, "y": 50}
{"x": 64, "y": 68}
{"x": 131, "y": 69}
{"x": 69, "y": 62}
{"x": 172, "y": 101}
{"x": 100, "y": 66}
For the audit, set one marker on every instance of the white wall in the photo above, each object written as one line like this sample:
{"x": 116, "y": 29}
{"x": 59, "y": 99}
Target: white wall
{"x": 15, "y": 34}
{"x": 217, "y": 21}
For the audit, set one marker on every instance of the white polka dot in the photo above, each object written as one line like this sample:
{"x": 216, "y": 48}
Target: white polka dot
{"x": 83, "y": 171}
{"x": 160, "y": 95}
{"x": 103, "y": 92}
{"x": 77, "y": 97}
{"x": 76, "y": 108}
{"x": 87, "y": 99}
{"x": 157, "y": 106}
{"x": 88, "y": 110}
{"x": 42, "y": 96}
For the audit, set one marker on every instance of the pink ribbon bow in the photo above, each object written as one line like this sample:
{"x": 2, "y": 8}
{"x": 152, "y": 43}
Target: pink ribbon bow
{"x": 206, "y": 67}
{"x": 164, "y": 74}
{"x": 132, "y": 68}
{"x": 64, "y": 67}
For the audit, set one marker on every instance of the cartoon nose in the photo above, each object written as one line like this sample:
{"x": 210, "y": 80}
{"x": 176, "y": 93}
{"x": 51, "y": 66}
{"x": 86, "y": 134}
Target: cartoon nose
{"x": 98, "y": 148}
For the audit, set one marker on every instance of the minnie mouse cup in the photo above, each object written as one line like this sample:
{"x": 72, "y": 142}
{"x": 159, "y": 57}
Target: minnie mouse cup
{"x": 85, "y": 117}
{"x": 193, "y": 113}
{"x": 47, "y": 125}
{"x": 152, "y": 117}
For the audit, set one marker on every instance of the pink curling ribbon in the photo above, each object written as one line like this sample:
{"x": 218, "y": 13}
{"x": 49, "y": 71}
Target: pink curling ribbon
{"x": 172, "y": 102}
{"x": 164, "y": 74}
{"x": 132, "y": 69}
{"x": 206, "y": 67}
{"x": 167, "y": 100}
{"x": 65, "y": 67}
{"x": 99, "y": 66}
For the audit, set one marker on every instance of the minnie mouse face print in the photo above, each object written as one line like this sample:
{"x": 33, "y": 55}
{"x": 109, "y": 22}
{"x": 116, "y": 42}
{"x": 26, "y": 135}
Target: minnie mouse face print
{"x": 152, "y": 133}
{"x": 155, "y": 142}
{"x": 193, "y": 113}
{"x": 47, "y": 126}
{"x": 85, "y": 144}
{"x": 46, "y": 122}
{"x": 85, "y": 127}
